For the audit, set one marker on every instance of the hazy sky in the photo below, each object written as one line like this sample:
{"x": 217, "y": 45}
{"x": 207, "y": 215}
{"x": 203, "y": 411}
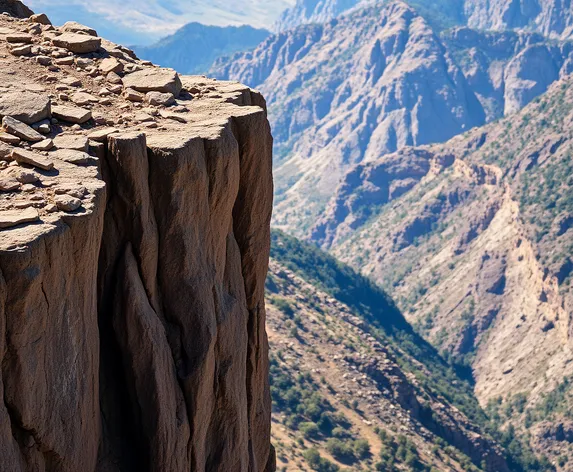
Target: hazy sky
{"x": 144, "y": 21}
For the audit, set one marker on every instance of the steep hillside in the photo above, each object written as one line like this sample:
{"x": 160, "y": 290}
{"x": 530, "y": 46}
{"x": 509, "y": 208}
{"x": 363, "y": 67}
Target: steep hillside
{"x": 474, "y": 237}
{"x": 353, "y": 384}
{"x": 135, "y": 211}
{"x": 194, "y": 47}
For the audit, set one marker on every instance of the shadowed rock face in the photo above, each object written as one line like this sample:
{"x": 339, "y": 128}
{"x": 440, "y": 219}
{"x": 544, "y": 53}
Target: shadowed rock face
{"x": 15, "y": 8}
{"x": 132, "y": 323}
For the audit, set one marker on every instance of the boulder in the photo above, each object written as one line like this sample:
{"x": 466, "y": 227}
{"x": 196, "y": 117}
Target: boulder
{"x": 27, "y": 107}
{"x": 154, "y": 80}
{"x": 77, "y": 43}
{"x": 15, "y": 8}
{"x": 41, "y": 18}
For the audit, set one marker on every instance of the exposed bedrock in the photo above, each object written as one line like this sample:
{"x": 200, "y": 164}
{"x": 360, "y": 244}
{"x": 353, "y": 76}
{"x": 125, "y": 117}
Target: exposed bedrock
{"x": 132, "y": 332}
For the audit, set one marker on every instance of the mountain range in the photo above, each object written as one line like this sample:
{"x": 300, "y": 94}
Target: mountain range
{"x": 428, "y": 148}
{"x": 194, "y": 48}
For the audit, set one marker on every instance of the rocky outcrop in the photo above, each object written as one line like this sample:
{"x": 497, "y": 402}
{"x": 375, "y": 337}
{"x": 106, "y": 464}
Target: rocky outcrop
{"x": 552, "y": 18}
{"x": 134, "y": 251}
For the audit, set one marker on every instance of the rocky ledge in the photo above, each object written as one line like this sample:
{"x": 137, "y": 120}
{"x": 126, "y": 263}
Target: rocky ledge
{"x": 134, "y": 238}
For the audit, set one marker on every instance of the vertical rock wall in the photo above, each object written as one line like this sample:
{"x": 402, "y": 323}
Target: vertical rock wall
{"x": 132, "y": 334}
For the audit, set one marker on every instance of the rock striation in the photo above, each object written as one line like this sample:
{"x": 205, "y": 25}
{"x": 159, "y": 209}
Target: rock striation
{"x": 134, "y": 248}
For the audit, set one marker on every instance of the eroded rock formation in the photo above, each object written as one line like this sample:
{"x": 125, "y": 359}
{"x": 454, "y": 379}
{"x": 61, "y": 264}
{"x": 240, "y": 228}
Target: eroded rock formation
{"x": 134, "y": 250}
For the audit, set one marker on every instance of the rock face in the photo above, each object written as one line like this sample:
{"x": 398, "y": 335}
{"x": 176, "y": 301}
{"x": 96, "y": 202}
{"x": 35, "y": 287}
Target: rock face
{"x": 550, "y": 17}
{"x": 15, "y": 8}
{"x": 367, "y": 83}
{"x": 132, "y": 316}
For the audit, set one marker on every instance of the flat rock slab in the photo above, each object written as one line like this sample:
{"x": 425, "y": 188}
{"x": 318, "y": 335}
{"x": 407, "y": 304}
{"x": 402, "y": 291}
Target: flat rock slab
{"x": 71, "y": 114}
{"x": 9, "y": 138}
{"x": 44, "y": 145}
{"x": 26, "y": 107}
{"x": 110, "y": 64}
{"x": 21, "y": 156}
{"x": 72, "y": 156}
{"x": 71, "y": 141}
{"x": 83, "y": 98}
{"x": 11, "y": 218}
{"x": 22, "y": 130}
{"x": 20, "y": 38}
{"x": 101, "y": 135}
{"x": 77, "y": 43}
{"x": 154, "y": 80}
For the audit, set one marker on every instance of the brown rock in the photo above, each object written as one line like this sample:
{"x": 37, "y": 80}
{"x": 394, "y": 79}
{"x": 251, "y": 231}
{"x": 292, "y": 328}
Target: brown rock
{"x": 71, "y": 141}
{"x": 27, "y": 107}
{"x": 21, "y": 156}
{"x": 133, "y": 96}
{"x": 21, "y": 50}
{"x": 74, "y": 27}
{"x": 8, "y": 185}
{"x": 83, "y": 98}
{"x": 9, "y": 219}
{"x": 72, "y": 156}
{"x": 9, "y": 138}
{"x": 17, "y": 128}
{"x": 111, "y": 64}
{"x": 77, "y": 43}
{"x": 101, "y": 135}
{"x": 41, "y": 18}
{"x": 71, "y": 114}
{"x": 67, "y": 203}
{"x": 159, "y": 99}
{"x": 44, "y": 145}
{"x": 19, "y": 38}
{"x": 150, "y": 80}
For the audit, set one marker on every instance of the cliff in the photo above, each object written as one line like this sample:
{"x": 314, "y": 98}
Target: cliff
{"x": 135, "y": 212}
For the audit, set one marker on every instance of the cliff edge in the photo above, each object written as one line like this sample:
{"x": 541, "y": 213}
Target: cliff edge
{"x": 135, "y": 210}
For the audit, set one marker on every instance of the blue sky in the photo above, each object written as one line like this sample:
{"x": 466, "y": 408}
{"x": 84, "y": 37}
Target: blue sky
{"x": 144, "y": 21}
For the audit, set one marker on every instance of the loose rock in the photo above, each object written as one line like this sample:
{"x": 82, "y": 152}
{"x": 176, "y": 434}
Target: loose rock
{"x": 27, "y": 157}
{"x": 27, "y": 107}
{"x": 77, "y": 43}
{"x": 71, "y": 141}
{"x": 22, "y": 130}
{"x": 11, "y": 218}
{"x": 158, "y": 80}
{"x": 71, "y": 114}
{"x": 67, "y": 203}
{"x": 160, "y": 99}
{"x": 44, "y": 145}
